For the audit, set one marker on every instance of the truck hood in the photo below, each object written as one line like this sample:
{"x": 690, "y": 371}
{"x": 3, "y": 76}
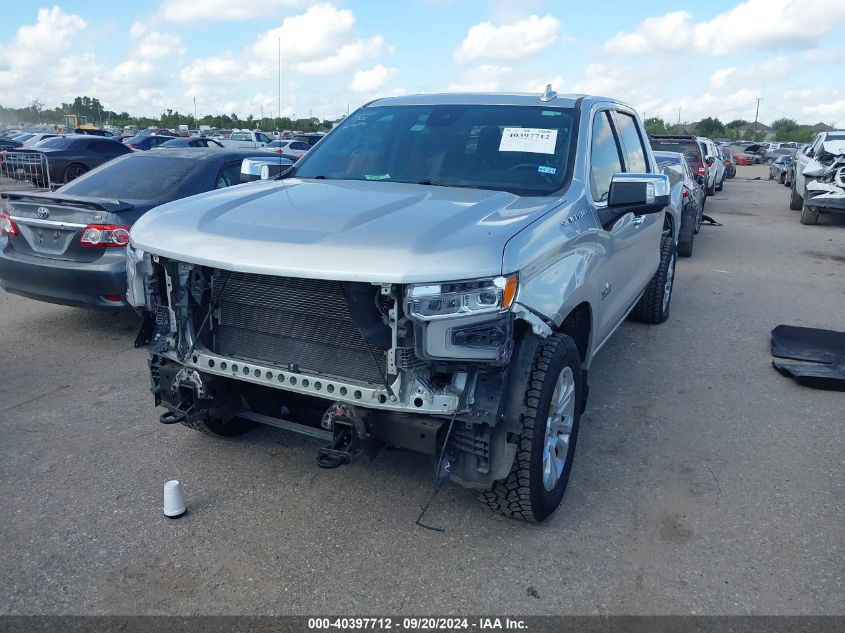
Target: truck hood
{"x": 346, "y": 230}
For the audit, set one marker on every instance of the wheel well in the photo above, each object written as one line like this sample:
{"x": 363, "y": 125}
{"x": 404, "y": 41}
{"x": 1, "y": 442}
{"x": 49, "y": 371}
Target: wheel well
{"x": 668, "y": 227}
{"x": 578, "y": 324}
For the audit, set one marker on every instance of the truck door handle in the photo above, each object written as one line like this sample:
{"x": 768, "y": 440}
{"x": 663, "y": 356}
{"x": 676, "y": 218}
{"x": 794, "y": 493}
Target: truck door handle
{"x": 637, "y": 220}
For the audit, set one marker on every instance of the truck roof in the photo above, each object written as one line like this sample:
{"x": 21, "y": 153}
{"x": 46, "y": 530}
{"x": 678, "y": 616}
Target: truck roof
{"x": 491, "y": 98}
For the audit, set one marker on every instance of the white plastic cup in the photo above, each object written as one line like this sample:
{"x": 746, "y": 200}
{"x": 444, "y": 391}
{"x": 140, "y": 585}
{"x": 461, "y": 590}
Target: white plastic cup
{"x": 174, "y": 503}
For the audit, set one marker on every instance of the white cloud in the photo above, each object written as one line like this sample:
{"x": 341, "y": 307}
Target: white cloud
{"x": 320, "y": 41}
{"x": 308, "y": 35}
{"x": 518, "y": 40}
{"x": 751, "y": 25}
{"x": 155, "y": 45}
{"x": 817, "y": 103}
{"x": 773, "y": 68}
{"x": 490, "y": 78}
{"x": 372, "y": 79}
{"x": 482, "y": 79}
{"x": 39, "y": 45}
{"x": 347, "y": 56}
{"x": 721, "y": 77}
{"x": 191, "y": 11}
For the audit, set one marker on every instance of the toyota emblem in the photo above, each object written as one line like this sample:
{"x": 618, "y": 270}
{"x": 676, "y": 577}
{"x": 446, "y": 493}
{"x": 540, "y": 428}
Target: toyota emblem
{"x": 43, "y": 213}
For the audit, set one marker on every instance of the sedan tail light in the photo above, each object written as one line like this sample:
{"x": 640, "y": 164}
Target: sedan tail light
{"x": 105, "y": 235}
{"x": 686, "y": 193}
{"x": 7, "y": 227}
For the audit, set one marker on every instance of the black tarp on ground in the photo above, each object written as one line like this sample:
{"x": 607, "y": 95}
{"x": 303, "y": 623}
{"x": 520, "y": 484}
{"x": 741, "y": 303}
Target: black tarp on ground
{"x": 824, "y": 348}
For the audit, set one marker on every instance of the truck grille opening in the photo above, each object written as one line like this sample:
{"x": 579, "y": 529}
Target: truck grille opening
{"x": 296, "y": 324}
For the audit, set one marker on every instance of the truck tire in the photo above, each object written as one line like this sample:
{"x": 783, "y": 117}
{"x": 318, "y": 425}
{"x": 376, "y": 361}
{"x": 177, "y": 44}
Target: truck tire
{"x": 220, "y": 428}
{"x": 653, "y": 306}
{"x": 796, "y": 202}
{"x": 686, "y": 234}
{"x": 809, "y": 215}
{"x": 551, "y": 413}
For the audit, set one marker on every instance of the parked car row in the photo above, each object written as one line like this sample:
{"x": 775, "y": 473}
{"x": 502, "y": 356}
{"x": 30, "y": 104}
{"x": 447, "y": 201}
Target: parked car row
{"x": 704, "y": 167}
{"x": 59, "y": 159}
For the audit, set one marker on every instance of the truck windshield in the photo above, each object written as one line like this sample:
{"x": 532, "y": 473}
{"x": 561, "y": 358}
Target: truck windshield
{"x": 524, "y": 150}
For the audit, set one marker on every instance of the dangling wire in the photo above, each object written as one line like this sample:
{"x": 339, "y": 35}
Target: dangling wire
{"x": 439, "y": 479}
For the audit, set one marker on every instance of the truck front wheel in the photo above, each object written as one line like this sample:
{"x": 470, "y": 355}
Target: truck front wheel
{"x": 546, "y": 446}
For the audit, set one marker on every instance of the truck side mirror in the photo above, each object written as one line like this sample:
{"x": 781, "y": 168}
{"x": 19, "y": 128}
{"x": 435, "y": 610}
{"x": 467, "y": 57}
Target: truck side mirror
{"x": 638, "y": 193}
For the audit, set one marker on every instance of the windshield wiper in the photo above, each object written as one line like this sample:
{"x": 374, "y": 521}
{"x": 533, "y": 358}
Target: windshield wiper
{"x": 426, "y": 181}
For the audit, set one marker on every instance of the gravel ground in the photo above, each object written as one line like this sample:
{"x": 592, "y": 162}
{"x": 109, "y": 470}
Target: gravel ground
{"x": 704, "y": 482}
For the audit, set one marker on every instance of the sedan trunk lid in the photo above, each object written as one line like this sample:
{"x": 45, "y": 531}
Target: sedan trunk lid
{"x": 51, "y": 225}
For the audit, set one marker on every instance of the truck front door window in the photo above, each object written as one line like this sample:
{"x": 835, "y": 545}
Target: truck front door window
{"x": 632, "y": 144}
{"x": 604, "y": 157}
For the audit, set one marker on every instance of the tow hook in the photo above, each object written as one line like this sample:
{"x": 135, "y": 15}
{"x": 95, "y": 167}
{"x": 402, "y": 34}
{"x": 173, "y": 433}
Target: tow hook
{"x": 185, "y": 411}
{"x": 349, "y": 431}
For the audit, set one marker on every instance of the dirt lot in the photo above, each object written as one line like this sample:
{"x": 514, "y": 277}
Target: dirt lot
{"x": 704, "y": 482}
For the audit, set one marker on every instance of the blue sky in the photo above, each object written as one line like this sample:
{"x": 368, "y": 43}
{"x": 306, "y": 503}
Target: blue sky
{"x": 706, "y": 58}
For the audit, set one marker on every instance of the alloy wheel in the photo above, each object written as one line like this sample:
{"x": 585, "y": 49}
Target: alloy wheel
{"x": 559, "y": 429}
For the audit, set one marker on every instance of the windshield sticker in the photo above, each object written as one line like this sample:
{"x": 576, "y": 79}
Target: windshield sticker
{"x": 542, "y": 169}
{"x": 377, "y": 176}
{"x": 528, "y": 139}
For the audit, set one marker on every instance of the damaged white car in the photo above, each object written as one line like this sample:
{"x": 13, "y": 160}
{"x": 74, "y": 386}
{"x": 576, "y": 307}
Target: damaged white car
{"x": 819, "y": 183}
{"x": 437, "y": 274}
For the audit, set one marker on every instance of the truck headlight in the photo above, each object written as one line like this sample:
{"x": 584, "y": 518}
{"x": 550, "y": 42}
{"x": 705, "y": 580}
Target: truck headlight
{"x": 462, "y": 298}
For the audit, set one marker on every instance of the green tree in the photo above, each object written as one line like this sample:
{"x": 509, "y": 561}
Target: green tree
{"x": 784, "y": 126}
{"x": 710, "y": 127}
{"x": 735, "y": 129}
{"x": 655, "y": 125}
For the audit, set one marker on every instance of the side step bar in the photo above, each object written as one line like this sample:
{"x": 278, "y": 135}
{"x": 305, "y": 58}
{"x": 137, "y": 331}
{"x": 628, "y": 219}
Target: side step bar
{"x": 287, "y": 425}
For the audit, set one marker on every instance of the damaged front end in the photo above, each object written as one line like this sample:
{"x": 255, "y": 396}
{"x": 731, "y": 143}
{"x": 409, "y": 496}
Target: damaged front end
{"x": 415, "y": 366}
{"x": 826, "y": 192}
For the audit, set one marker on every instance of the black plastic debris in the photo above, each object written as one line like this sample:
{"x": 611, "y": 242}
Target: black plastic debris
{"x": 822, "y": 350}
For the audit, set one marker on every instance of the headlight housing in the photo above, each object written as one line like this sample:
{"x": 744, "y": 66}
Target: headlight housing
{"x": 429, "y": 302}
{"x": 464, "y": 321}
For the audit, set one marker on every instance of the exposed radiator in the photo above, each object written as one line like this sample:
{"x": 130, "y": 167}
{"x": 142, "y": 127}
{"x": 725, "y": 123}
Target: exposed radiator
{"x": 296, "y": 324}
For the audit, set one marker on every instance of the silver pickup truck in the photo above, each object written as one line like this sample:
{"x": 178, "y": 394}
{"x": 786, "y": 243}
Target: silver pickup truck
{"x": 437, "y": 274}
{"x": 247, "y": 139}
